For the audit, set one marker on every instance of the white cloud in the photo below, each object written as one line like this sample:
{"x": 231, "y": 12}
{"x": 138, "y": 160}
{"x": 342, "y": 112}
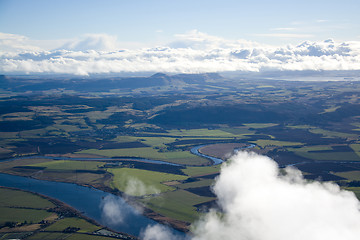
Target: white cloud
{"x": 259, "y": 203}
{"x": 159, "y": 232}
{"x": 113, "y": 210}
{"x": 283, "y": 29}
{"x": 285, "y": 35}
{"x": 135, "y": 187}
{"x": 322, "y": 20}
{"x": 15, "y": 43}
{"x": 192, "y": 52}
{"x": 97, "y": 42}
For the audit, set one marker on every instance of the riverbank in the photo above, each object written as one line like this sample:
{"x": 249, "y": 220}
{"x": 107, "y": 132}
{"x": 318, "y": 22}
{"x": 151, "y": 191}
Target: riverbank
{"x": 176, "y": 224}
{"x": 60, "y": 212}
{"x": 24, "y": 167}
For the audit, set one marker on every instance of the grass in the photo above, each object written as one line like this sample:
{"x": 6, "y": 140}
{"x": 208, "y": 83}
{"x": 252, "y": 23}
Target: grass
{"x": 237, "y": 131}
{"x": 20, "y": 206}
{"x": 4, "y": 150}
{"x": 16, "y": 198}
{"x": 36, "y": 133}
{"x": 196, "y": 171}
{"x": 201, "y": 183}
{"x": 85, "y": 226}
{"x": 157, "y": 141}
{"x": 49, "y": 236}
{"x": 300, "y": 126}
{"x": 181, "y": 157}
{"x": 332, "y": 134}
{"x": 19, "y": 215}
{"x": 356, "y": 148}
{"x": 177, "y": 205}
{"x": 203, "y": 132}
{"x": 139, "y": 182}
{"x": 352, "y": 175}
{"x": 77, "y": 236}
{"x": 308, "y": 152}
{"x": 69, "y": 165}
{"x": 312, "y": 148}
{"x": 68, "y": 128}
{"x": 4, "y": 166}
{"x": 330, "y": 156}
{"x": 260, "y": 125}
{"x": 325, "y": 133}
{"x": 8, "y": 135}
{"x": 331, "y": 109}
{"x": 264, "y": 143}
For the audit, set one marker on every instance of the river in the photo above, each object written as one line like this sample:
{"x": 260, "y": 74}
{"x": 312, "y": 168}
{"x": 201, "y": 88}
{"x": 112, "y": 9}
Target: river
{"x": 91, "y": 202}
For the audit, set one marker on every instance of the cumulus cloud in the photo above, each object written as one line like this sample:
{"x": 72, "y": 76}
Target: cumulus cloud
{"x": 15, "y": 43}
{"x": 135, "y": 187}
{"x": 113, "y": 210}
{"x": 258, "y": 202}
{"x": 192, "y": 52}
{"x": 160, "y": 232}
{"x": 97, "y": 42}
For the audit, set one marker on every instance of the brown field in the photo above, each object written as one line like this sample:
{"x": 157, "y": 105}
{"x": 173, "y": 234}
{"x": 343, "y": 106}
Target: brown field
{"x": 221, "y": 150}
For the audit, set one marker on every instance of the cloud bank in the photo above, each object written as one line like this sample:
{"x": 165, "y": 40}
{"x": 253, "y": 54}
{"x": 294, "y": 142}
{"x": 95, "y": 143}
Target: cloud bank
{"x": 193, "y": 52}
{"x": 260, "y": 203}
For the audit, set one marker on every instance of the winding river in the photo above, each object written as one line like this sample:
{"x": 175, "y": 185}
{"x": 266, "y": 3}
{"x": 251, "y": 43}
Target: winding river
{"x": 90, "y": 201}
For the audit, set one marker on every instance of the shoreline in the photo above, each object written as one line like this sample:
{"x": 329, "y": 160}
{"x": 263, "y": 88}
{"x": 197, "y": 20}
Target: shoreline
{"x": 176, "y": 224}
{"x": 61, "y": 205}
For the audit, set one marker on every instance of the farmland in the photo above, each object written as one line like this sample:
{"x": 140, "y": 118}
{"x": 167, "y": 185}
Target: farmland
{"x": 24, "y": 214}
{"x": 100, "y": 139}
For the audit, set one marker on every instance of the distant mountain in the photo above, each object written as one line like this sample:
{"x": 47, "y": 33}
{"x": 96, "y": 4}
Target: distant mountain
{"x": 198, "y": 78}
{"x": 104, "y": 84}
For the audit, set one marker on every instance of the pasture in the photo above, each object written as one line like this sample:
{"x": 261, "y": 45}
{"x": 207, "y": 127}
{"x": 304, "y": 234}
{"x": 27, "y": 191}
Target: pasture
{"x": 139, "y": 182}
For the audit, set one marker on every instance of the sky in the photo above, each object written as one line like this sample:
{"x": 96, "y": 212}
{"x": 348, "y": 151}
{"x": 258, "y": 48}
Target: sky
{"x": 136, "y": 25}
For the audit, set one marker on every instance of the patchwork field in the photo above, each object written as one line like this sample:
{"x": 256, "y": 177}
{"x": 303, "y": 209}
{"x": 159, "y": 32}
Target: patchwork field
{"x": 313, "y": 126}
{"x": 30, "y": 216}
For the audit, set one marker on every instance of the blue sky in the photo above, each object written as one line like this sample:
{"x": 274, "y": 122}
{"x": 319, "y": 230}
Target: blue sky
{"x": 151, "y": 21}
{"x": 189, "y": 36}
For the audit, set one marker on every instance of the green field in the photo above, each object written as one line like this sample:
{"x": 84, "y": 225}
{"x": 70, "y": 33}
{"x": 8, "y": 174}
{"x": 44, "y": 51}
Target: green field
{"x": 195, "y": 171}
{"x": 202, "y": 132}
{"x": 264, "y": 143}
{"x": 260, "y": 125}
{"x": 14, "y": 198}
{"x": 332, "y": 134}
{"x": 70, "y": 165}
{"x": 19, "y": 215}
{"x": 68, "y": 236}
{"x": 352, "y": 175}
{"x": 18, "y": 206}
{"x": 181, "y": 157}
{"x": 27, "y": 210}
{"x": 329, "y": 156}
{"x": 177, "y": 205}
{"x": 201, "y": 183}
{"x": 85, "y": 227}
{"x": 312, "y": 148}
{"x": 78, "y": 236}
{"x": 356, "y": 148}
{"x": 138, "y": 182}
{"x": 49, "y": 236}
